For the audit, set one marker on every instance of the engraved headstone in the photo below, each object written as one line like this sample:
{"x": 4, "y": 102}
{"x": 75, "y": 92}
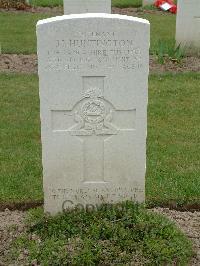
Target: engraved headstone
{"x": 148, "y": 2}
{"x": 188, "y": 25}
{"x": 86, "y": 6}
{"x": 93, "y": 75}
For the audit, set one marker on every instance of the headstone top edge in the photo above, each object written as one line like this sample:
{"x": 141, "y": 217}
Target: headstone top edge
{"x": 91, "y": 15}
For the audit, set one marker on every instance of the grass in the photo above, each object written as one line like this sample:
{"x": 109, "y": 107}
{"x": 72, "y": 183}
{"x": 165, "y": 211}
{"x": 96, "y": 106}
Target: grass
{"x": 20, "y": 153}
{"x": 173, "y": 167}
{"x": 161, "y": 33}
{"x": 125, "y": 234}
{"x": 17, "y": 32}
{"x": 126, "y": 3}
{"x": 116, "y": 3}
{"x": 173, "y": 53}
{"x": 46, "y": 3}
{"x": 16, "y": 38}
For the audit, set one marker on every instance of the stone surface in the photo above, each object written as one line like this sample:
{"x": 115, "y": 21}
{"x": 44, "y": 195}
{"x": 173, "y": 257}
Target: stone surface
{"x": 188, "y": 25}
{"x": 93, "y": 76}
{"x": 148, "y": 2}
{"x": 86, "y": 6}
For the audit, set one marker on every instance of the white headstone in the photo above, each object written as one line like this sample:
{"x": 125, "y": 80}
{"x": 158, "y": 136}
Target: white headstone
{"x": 148, "y": 2}
{"x": 188, "y": 25}
{"x": 93, "y": 76}
{"x": 86, "y": 6}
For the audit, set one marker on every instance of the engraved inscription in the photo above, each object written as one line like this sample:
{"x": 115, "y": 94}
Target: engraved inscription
{"x": 94, "y": 50}
{"x": 89, "y": 193}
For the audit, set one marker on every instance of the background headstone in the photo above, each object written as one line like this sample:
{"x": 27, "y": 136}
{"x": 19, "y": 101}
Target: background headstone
{"x": 93, "y": 74}
{"x": 148, "y": 2}
{"x": 188, "y": 25}
{"x": 86, "y": 6}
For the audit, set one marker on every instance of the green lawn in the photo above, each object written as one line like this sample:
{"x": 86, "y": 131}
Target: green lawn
{"x": 17, "y": 31}
{"x": 117, "y": 3}
{"x": 173, "y": 167}
{"x": 20, "y": 153}
{"x": 160, "y": 33}
{"x": 45, "y": 3}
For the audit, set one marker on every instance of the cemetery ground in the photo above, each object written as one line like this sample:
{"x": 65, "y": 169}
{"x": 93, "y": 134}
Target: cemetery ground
{"x": 173, "y": 158}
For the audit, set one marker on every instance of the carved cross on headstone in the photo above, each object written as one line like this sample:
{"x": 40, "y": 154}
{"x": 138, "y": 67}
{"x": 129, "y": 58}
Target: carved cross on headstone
{"x": 93, "y": 119}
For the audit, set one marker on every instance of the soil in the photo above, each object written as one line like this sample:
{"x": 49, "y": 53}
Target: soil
{"x": 12, "y": 224}
{"x": 18, "y": 63}
{"x": 187, "y": 64}
{"x": 28, "y": 64}
{"x": 130, "y": 11}
{"x": 53, "y": 11}
{"x": 189, "y": 223}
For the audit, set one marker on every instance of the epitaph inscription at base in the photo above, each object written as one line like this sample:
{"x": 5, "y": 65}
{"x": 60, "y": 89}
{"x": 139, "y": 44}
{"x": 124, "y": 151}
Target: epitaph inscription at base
{"x": 93, "y": 73}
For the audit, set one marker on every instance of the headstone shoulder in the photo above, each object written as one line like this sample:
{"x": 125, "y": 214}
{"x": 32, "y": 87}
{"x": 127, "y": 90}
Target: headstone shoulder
{"x": 92, "y": 15}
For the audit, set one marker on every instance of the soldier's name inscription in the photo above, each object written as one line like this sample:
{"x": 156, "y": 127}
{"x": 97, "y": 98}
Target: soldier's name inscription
{"x": 94, "y": 50}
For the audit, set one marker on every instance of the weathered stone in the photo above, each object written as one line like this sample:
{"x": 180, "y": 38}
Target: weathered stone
{"x": 148, "y": 2}
{"x": 188, "y": 25}
{"x": 86, "y": 6}
{"x": 93, "y": 72}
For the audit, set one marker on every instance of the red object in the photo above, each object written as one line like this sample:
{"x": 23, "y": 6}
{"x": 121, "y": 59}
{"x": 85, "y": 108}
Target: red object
{"x": 159, "y": 3}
